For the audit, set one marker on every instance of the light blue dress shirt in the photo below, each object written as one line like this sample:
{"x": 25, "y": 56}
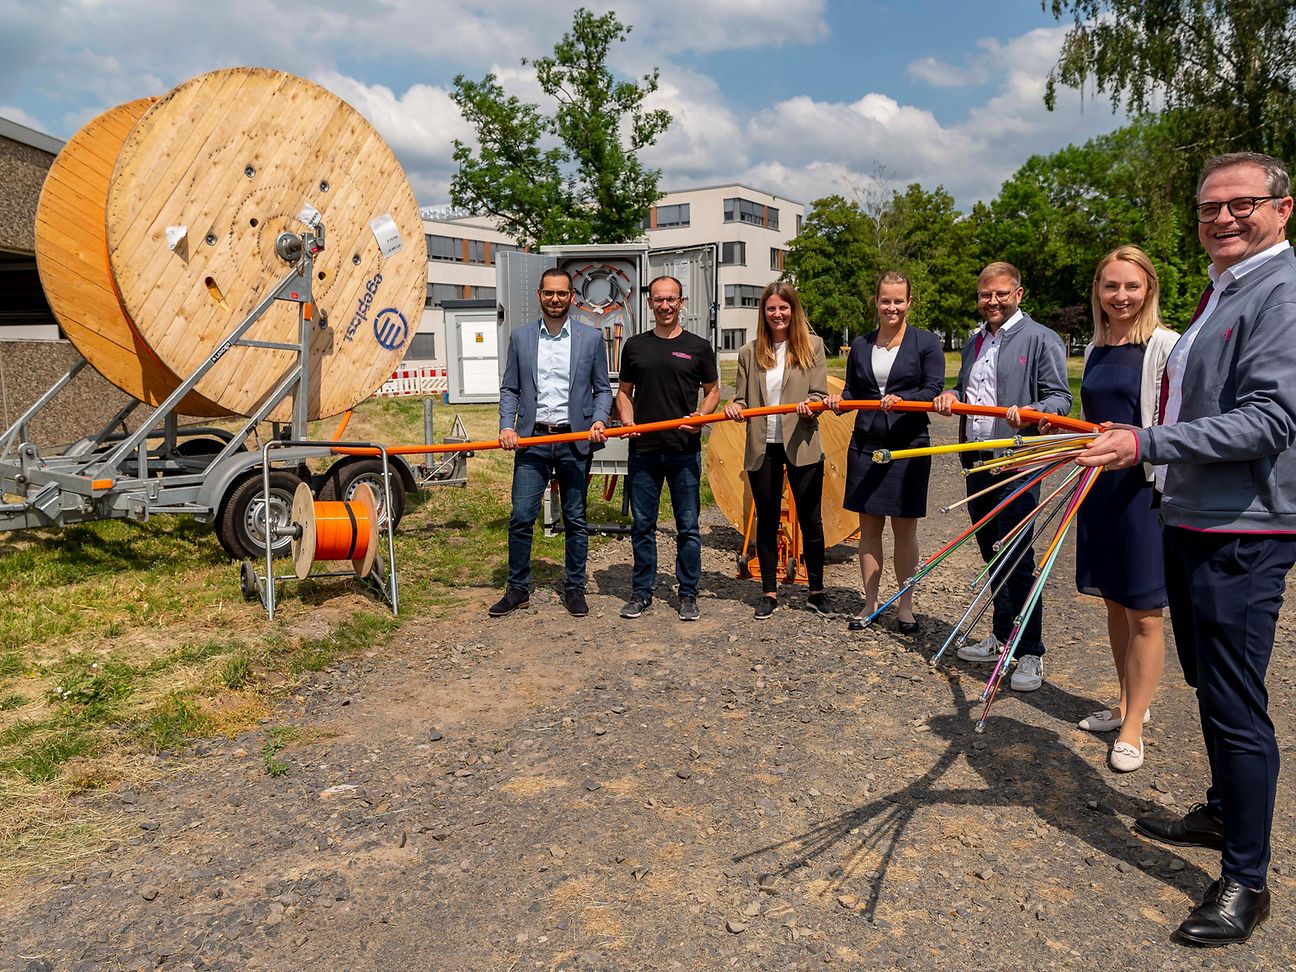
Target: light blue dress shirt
{"x": 553, "y": 375}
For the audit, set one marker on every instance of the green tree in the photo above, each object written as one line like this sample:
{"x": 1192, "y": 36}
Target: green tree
{"x": 833, "y": 262}
{"x": 589, "y": 188}
{"x": 1223, "y": 67}
{"x": 935, "y": 244}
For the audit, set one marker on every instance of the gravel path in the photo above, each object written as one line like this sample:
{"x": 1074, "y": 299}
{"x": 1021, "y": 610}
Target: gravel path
{"x": 545, "y": 793}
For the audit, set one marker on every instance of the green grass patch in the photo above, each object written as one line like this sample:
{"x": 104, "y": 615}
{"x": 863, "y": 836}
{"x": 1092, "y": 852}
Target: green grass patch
{"x": 174, "y": 721}
{"x": 277, "y": 739}
{"x": 13, "y": 701}
{"x": 236, "y": 672}
{"x": 48, "y": 747}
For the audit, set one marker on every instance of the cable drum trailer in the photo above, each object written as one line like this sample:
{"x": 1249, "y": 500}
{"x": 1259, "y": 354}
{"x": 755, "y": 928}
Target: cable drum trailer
{"x": 153, "y": 285}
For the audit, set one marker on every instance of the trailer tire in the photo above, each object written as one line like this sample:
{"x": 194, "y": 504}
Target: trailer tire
{"x": 341, "y": 481}
{"x": 239, "y": 527}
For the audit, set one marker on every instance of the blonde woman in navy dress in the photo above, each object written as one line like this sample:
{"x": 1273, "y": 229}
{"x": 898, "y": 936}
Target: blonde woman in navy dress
{"x": 896, "y": 362}
{"x": 1118, "y": 538}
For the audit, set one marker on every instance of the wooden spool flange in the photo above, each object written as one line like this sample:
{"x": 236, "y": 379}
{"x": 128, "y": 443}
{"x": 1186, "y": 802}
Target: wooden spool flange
{"x": 305, "y": 545}
{"x": 732, "y": 492}
{"x": 235, "y": 157}
{"x": 72, "y": 257}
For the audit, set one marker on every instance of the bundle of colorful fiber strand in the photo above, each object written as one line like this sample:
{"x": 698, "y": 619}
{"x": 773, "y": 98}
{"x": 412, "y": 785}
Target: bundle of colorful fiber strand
{"x": 1031, "y": 460}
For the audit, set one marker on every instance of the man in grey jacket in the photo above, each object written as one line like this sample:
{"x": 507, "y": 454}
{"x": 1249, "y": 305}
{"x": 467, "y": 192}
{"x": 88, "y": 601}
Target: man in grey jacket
{"x": 1228, "y": 474}
{"x": 1013, "y": 362}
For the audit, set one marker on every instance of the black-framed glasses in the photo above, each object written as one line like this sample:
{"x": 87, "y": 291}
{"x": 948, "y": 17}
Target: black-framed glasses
{"x": 552, "y": 294}
{"x": 1239, "y": 208}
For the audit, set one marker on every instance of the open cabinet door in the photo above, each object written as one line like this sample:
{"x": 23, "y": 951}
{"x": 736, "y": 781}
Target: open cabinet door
{"x": 698, "y": 269}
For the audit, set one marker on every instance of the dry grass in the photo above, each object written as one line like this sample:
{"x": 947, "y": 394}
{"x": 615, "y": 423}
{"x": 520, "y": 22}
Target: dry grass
{"x": 43, "y": 828}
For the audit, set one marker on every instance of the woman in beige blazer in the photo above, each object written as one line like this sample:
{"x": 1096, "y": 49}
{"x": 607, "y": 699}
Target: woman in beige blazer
{"x": 784, "y": 365}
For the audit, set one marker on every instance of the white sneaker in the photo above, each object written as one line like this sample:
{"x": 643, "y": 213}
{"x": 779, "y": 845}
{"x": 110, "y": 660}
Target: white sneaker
{"x": 1028, "y": 675}
{"x": 1104, "y": 721}
{"x": 984, "y": 651}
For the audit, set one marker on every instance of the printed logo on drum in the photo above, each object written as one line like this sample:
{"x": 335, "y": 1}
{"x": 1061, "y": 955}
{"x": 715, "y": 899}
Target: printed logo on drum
{"x": 362, "y": 305}
{"x": 390, "y": 329}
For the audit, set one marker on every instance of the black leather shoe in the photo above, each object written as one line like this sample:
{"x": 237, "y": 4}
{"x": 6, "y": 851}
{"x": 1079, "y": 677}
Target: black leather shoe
{"x": 1228, "y": 914}
{"x": 857, "y": 623}
{"x": 908, "y": 627}
{"x": 514, "y": 598}
{"x": 1196, "y": 828}
{"x": 575, "y": 603}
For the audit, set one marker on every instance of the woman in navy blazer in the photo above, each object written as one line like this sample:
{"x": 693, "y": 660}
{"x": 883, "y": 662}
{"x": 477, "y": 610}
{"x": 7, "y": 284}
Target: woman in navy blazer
{"x": 894, "y": 363}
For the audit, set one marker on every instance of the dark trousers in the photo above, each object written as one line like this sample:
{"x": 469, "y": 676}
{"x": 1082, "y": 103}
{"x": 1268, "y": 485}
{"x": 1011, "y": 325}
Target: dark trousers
{"x": 682, "y": 473}
{"x": 767, "y": 495}
{"x": 1012, "y": 592}
{"x": 533, "y": 467}
{"x": 1225, "y": 590}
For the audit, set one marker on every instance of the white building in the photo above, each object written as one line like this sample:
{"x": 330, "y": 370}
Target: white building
{"x": 752, "y": 229}
{"x": 461, "y": 266}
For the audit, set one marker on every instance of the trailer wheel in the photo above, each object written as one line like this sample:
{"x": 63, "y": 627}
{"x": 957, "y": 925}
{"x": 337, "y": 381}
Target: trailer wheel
{"x": 241, "y": 524}
{"x": 341, "y": 481}
{"x": 247, "y": 581}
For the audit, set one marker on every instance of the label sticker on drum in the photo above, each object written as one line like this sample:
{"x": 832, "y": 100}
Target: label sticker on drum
{"x": 309, "y": 215}
{"x": 387, "y": 235}
{"x": 174, "y": 234}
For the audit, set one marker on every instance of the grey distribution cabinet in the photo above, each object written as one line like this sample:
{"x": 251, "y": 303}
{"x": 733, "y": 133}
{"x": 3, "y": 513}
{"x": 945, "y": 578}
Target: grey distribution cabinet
{"x": 475, "y": 349}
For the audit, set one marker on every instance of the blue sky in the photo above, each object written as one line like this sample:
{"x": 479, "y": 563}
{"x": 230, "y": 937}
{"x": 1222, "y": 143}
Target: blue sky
{"x": 799, "y": 97}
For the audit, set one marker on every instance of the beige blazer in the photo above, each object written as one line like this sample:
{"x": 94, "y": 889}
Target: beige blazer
{"x": 800, "y": 434}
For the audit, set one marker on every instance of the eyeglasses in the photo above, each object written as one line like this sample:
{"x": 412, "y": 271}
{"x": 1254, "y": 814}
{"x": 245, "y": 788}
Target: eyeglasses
{"x": 551, "y": 294}
{"x": 1000, "y": 295}
{"x": 1239, "y": 208}
{"x": 665, "y": 301}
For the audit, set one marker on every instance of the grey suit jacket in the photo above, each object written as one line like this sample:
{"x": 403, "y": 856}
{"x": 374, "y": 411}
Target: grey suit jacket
{"x": 590, "y": 396}
{"x": 800, "y": 434}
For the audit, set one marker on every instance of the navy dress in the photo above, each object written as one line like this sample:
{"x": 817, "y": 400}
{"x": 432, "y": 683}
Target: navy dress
{"x": 1118, "y": 538}
{"x": 918, "y": 374}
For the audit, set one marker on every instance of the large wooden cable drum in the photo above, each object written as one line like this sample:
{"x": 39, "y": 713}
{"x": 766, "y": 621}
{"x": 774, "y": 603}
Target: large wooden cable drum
{"x": 732, "y": 491}
{"x": 237, "y": 157}
{"x": 72, "y": 257}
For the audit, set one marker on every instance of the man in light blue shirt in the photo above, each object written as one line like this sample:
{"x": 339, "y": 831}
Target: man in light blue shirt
{"x": 555, "y": 382}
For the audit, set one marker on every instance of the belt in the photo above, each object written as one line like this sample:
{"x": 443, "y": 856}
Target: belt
{"x": 545, "y": 428}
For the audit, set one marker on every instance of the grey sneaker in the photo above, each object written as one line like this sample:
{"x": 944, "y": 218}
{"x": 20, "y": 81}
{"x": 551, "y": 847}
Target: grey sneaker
{"x": 1028, "y": 675}
{"x": 635, "y": 606}
{"x": 688, "y": 609}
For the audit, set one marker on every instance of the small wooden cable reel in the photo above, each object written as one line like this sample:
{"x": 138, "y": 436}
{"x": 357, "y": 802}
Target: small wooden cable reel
{"x": 338, "y": 530}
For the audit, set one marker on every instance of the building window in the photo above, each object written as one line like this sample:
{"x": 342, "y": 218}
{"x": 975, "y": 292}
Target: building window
{"x": 443, "y": 248}
{"x": 732, "y": 338}
{"x": 482, "y": 293}
{"x": 776, "y": 258}
{"x": 497, "y": 247}
{"x": 476, "y": 251}
{"x": 733, "y": 254}
{"x": 798, "y": 224}
{"x": 671, "y": 216}
{"x": 422, "y": 347}
{"x": 438, "y": 292}
{"x": 742, "y": 295}
{"x": 738, "y": 210}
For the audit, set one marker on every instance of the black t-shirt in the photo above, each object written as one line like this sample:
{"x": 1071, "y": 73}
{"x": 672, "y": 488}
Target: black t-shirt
{"x": 667, "y": 374}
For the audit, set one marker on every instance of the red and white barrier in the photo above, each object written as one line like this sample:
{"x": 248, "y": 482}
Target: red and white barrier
{"x": 414, "y": 383}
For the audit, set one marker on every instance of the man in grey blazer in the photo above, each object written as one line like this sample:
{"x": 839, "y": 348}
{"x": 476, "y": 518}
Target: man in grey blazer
{"x": 1013, "y": 362}
{"x": 555, "y": 381}
{"x": 1226, "y": 458}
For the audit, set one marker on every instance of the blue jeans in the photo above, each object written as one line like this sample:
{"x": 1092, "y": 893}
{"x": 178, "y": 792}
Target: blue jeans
{"x": 682, "y": 471}
{"x": 533, "y": 467}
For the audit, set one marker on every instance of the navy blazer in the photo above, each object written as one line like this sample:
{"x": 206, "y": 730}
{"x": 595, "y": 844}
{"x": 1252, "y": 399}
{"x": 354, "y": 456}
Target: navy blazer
{"x": 590, "y": 397}
{"x": 917, "y": 375}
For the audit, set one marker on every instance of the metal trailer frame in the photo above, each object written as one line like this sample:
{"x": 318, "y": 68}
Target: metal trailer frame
{"x": 114, "y": 475}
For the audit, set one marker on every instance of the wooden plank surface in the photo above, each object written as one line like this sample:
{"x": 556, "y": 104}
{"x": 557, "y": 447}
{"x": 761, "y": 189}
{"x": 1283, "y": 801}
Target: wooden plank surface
{"x": 72, "y": 258}
{"x": 186, "y": 163}
{"x": 729, "y": 485}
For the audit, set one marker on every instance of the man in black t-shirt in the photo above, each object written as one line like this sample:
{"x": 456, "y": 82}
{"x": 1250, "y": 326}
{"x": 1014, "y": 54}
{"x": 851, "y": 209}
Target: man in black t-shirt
{"x": 661, "y": 373}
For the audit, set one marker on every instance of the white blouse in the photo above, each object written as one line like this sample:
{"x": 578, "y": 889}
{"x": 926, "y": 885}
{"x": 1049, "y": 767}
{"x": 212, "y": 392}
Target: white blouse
{"x": 883, "y": 360}
{"x": 774, "y": 393}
